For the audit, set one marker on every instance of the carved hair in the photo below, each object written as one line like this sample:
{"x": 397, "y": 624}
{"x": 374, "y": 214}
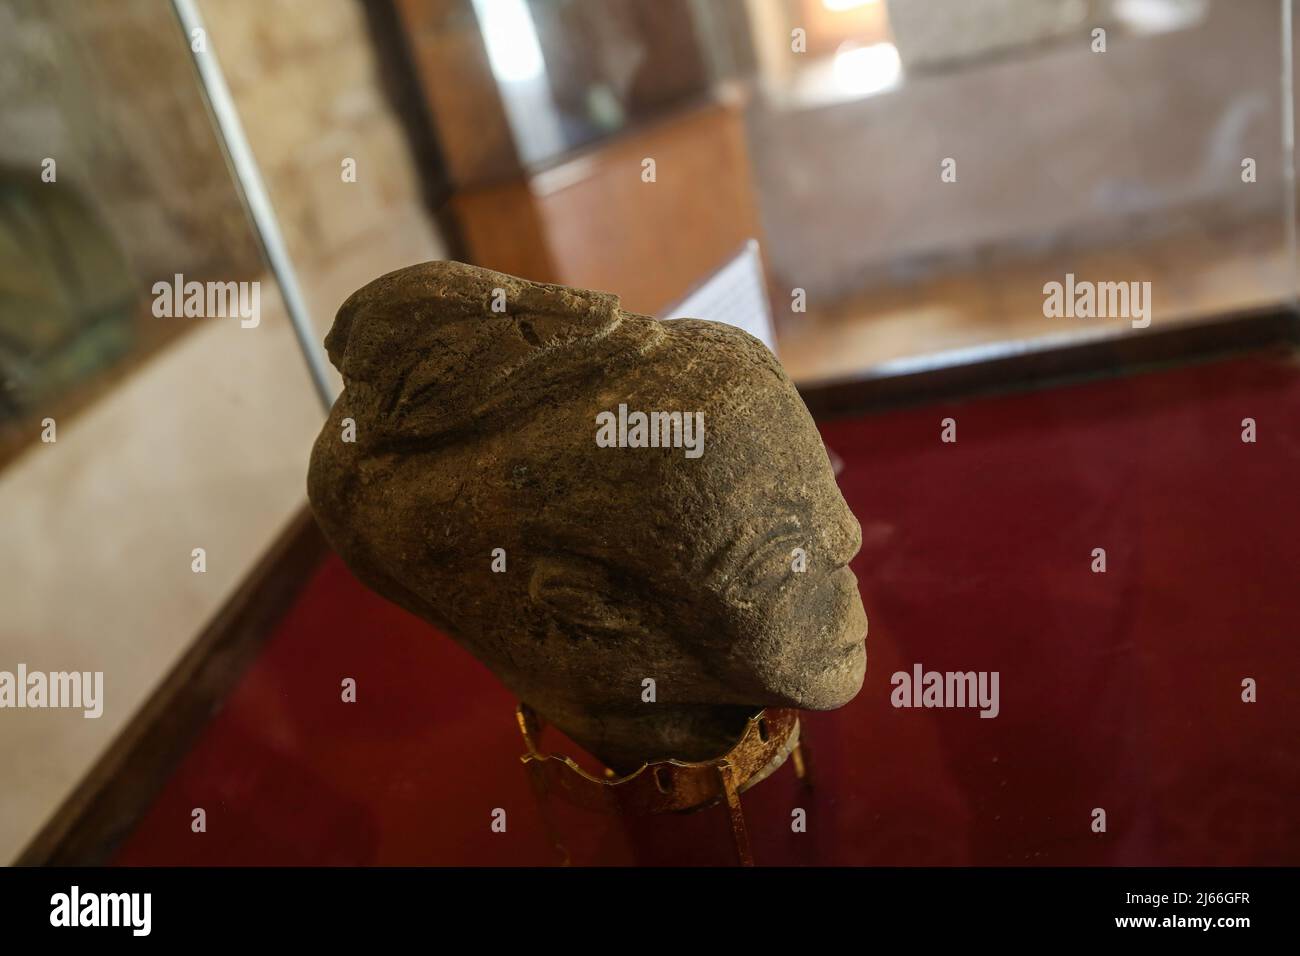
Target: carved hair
{"x": 426, "y": 357}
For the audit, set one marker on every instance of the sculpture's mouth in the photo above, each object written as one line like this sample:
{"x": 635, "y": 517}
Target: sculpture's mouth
{"x": 854, "y": 643}
{"x": 846, "y": 608}
{"x": 836, "y": 668}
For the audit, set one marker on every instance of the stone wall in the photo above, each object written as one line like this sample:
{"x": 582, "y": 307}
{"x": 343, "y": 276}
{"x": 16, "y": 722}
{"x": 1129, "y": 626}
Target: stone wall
{"x": 109, "y": 92}
{"x": 306, "y": 79}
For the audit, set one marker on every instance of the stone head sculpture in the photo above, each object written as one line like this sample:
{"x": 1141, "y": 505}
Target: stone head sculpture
{"x": 587, "y": 499}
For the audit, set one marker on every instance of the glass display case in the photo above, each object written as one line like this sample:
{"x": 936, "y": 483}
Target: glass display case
{"x": 1031, "y": 264}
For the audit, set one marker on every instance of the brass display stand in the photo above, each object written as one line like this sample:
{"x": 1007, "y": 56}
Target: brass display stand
{"x": 668, "y": 786}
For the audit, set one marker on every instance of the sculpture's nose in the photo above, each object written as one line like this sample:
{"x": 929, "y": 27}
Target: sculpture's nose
{"x": 841, "y": 533}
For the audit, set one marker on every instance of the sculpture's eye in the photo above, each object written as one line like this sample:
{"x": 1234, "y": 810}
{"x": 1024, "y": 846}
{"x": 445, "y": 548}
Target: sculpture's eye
{"x": 772, "y": 563}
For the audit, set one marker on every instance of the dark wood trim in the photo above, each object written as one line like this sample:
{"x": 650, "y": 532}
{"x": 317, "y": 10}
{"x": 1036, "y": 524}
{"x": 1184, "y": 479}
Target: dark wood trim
{"x": 399, "y": 77}
{"x": 110, "y": 800}
{"x": 1025, "y": 365}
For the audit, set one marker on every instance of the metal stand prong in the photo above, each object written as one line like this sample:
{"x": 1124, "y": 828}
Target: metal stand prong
{"x": 802, "y": 764}
{"x": 737, "y": 815}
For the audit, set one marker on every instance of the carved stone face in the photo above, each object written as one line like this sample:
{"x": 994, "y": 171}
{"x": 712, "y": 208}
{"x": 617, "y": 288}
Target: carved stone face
{"x": 476, "y": 494}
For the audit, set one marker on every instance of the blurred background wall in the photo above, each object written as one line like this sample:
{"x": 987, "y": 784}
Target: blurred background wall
{"x": 1063, "y": 146}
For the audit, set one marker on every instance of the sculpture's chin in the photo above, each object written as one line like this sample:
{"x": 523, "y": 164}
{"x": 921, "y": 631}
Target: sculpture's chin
{"x": 837, "y": 682}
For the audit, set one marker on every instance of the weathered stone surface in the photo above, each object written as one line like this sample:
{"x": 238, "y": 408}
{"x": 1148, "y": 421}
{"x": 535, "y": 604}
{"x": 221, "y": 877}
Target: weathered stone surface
{"x": 476, "y": 430}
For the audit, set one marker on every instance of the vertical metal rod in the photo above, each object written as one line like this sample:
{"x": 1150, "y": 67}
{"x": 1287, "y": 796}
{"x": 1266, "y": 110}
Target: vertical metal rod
{"x": 230, "y": 133}
{"x": 735, "y": 814}
{"x": 1288, "y": 150}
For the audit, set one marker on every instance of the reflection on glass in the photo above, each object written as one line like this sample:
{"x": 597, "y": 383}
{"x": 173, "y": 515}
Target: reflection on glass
{"x": 861, "y": 71}
{"x": 511, "y": 40}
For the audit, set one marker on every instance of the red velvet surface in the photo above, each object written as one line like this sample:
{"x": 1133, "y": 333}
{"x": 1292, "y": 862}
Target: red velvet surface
{"x": 1119, "y": 691}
